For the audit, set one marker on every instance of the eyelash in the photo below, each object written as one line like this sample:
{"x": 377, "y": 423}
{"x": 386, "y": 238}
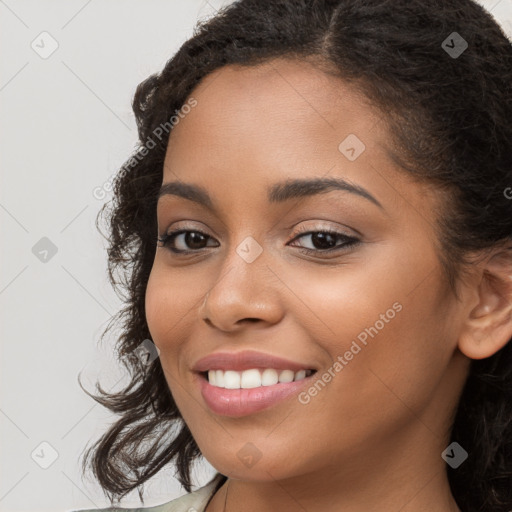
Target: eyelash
{"x": 166, "y": 239}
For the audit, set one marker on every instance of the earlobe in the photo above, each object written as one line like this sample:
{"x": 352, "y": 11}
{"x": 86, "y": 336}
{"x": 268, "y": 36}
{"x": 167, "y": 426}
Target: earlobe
{"x": 488, "y": 326}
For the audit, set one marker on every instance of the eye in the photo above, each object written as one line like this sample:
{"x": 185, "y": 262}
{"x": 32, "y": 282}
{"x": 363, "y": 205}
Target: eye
{"x": 325, "y": 241}
{"x": 188, "y": 240}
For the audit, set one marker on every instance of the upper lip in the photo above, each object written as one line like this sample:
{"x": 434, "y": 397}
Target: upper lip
{"x": 246, "y": 360}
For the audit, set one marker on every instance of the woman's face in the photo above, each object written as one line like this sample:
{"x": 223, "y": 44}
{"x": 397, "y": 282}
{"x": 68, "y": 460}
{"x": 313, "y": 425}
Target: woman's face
{"x": 375, "y": 319}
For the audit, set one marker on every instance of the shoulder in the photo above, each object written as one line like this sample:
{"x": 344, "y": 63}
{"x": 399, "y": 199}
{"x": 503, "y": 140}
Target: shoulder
{"x": 192, "y": 502}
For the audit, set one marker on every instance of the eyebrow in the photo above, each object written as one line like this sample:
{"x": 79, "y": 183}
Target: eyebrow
{"x": 277, "y": 193}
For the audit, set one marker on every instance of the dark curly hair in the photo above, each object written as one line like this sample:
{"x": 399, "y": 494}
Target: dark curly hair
{"x": 451, "y": 122}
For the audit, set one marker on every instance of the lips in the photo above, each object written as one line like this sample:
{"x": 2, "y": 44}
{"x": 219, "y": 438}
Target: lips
{"x": 247, "y": 360}
{"x": 243, "y": 401}
{"x": 236, "y": 403}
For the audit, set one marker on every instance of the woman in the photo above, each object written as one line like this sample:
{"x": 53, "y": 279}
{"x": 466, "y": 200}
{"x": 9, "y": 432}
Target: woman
{"x": 316, "y": 236}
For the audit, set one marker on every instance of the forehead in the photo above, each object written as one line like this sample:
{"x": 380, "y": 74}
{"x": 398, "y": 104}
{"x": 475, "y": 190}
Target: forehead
{"x": 281, "y": 112}
{"x": 281, "y": 85}
{"x": 283, "y": 120}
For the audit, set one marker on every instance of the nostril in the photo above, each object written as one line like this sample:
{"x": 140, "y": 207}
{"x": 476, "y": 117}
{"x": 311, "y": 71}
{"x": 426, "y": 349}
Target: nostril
{"x": 251, "y": 320}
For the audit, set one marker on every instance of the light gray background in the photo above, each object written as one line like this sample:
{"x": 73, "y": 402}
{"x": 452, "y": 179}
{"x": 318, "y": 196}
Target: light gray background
{"x": 67, "y": 126}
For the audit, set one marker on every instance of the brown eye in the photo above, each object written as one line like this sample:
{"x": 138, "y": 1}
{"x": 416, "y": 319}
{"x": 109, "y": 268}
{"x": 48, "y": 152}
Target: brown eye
{"x": 184, "y": 241}
{"x": 324, "y": 241}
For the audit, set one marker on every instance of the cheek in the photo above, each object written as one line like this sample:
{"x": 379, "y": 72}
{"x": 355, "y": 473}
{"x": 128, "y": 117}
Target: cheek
{"x": 168, "y": 306}
{"x": 388, "y": 323}
{"x": 155, "y": 304}
{"x": 404, "y": 353}
{"x": 171, "y": 314}
{"x": 165, "y": 312}
{"x": 337, "y": 304}
{"x": 161, "y": 316}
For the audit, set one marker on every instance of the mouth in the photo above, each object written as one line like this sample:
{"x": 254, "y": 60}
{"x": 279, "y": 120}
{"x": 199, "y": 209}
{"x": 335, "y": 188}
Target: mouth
{"x": 254, "y": 377}
{"x": 247, "y": 392}
{"x": 242, "y": 383}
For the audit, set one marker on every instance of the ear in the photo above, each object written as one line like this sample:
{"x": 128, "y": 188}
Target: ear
{"x": 488, "y": 326}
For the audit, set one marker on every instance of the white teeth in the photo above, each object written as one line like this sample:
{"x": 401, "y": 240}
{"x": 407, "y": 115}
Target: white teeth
{"x": 231, "y": 379}
{"x": 269, "y": 377}
{"x": 300, "y": 375}
{"x": 250, "y": 379}
{"x": 253, "y": 378}
{"x": 286, "y": 376}
{"x": 219, "y": 378}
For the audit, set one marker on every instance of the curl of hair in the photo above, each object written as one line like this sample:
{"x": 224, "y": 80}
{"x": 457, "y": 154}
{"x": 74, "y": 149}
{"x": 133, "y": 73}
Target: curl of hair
{"x": 450, "y": 119}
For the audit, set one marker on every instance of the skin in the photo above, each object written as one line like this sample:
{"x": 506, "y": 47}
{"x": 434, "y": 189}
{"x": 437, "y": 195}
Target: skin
{"x": 372, "y": 438}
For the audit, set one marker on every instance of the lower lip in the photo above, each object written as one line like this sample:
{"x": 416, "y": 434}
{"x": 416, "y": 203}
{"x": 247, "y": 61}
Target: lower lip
{"x": 242, "y": 402}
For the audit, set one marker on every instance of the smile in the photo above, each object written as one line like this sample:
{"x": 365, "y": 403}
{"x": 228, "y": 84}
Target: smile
{"x": 239, "y": 401}
{"x": 253, "y": 378}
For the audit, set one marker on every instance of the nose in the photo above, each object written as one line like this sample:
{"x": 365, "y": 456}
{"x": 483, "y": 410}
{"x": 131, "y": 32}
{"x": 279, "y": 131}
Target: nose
{"x": 243, "y": 293}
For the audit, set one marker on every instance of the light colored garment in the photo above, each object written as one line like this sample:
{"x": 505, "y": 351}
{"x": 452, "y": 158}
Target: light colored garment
{"x": 195, "y": 501}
